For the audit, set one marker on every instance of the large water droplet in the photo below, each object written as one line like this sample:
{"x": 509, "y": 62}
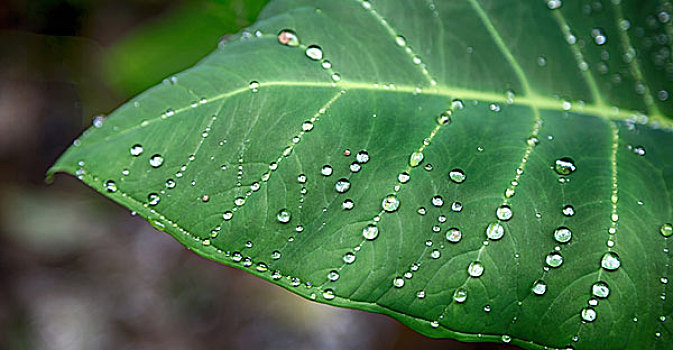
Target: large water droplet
{"x": 588, "y": 314}
{"x": 370, "y": 232}
{"x": 610, "y": 261}
{"x": 362, "y": 157}
{"x": 539, "y": 287}
{"x": 564, "y": 166}
{"x": 476, "y": 269}
{"x": 504, "y": 212}
{"x": 136, "y": 150}
{"x": 453, "y": 235}
{"x": 390, "y": 203}
{"x": 415, "y": 159}
{"x": 153, "y": 199}
{"x": 460, "y": 295}
{"x": 326, "y": 170}
{"x": 342, "y": 186}
{"x": 495, "y": 231}
{"x": 314, "y": 52}
{"x": 283, "y": 216}
{"x": 600, "y": 290}
{"x": 156, "y": 160}
{"x": 457, "y": 176}
{"x": 110, "y": 186}
{"x": 562, "y": 235}
{"x": 554, "y": 259}
{"x": 288, "y": 37}
{"x": 666, "y": 230}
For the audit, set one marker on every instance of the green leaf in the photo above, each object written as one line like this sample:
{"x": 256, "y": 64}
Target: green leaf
{"x": 560, "y": 124}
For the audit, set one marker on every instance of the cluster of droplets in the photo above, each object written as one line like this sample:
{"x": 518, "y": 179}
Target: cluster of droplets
{"x": 289, "y": 38}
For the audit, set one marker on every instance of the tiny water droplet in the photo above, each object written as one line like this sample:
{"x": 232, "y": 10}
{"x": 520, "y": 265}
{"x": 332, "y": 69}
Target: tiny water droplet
{"x": 156, "y": 160}
{"x": 476, "y": 269}
{"x": 301, "y": 178}
{"x": 453, "y": 235}
{"x": 403, "y": 177}
{"x": 390, "y": 203}
{"x": 415, "y": 159}
{"x": 444, "y": 118}
{"x": 600, "y": 290}
{"x": 400, "y": 41}
{"x": 227, "y": 215}
{"x": 136, "y": 150}
{"x": 539, "y": 287}
{"x": 370, "y": 232}
{"x": 639, "y": 150}
{"x": 398, "y": 282}
{"x": 288, "y": 37}
{"x": 307, "y": 126}
{"x": 342, "y": 186}
{"x": 504, "y": 212}
{"x": 666, "y": 230}
{"x": 153, "y": 199}
{"x": 610, "y": 261}
{"x": 562, "y": 235}
{"x": 314, "y": 52}
{"x": 435, "y": 254}
{"x": 554, "y": 259}
{"x": 495, "y": 231}
{"x": 283, "y": 216}
{"x": 457, "y": 207}
{"x": 568, "y": 210}
{"x": 110, "y": 186}
{"x": 347, "y": 204}
{"x": 460, "y": 295}
{"x": 457, "y": 176}
{"x": 564, "y": 166}
{"x": 506, "y": 338}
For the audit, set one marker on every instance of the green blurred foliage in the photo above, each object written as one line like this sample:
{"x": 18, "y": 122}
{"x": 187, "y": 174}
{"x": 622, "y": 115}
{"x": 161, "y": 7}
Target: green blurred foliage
{"x": 174, "y": 42}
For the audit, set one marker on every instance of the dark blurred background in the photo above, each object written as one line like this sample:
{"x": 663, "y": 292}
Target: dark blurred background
{"x": 78, "y": 271}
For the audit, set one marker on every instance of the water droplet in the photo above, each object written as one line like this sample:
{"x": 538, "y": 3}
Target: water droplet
{"x": 415, "y": 159}
{"x": 554, "y": 4}
{"x": 314, "y": 52}
{"x": 283, "y": 216}
{"x": 326, "y": 170}
{"x": 453, "y": 235}
{"x": 457, "y": 176}
{"x": 362, "y": 157}
{"x": 420, "y": 294}
{"x": 460, "y": 295}
{"x": 588, "y": 314}
{"x": 610, "y": 261}
{"x": 342, "y": 186}
{"x": 506, "y": 338}
{"x": 370, "y": 232}
{"x": 254, "y": 86}
{"x": 639, "y": 150}
{"x": 156, "y": 160}
{"x": 239, "y": 201}
{"x": 227, "y": 215}
{"x": 390, "y": 203}
{"x": 435, "y": 254}
{"x": 476, "y": 269}
{"x": 110, "y": 186}
{"x": 328, "y": 294}
{"x": 444, "y": 118}
{"x": 554, "y": 259}
{"x": 562, "y": 235}
{"x": 301, "y": 178}
{"x": 275, "y": 255}
{"x": 539, "y": 287}
{"x": 288, "y": 37}
{"x": 347, "y": 204}
{"x": 336, "y": 77}
{"x": 600, "y": 290}
{"x": 457, "y": 207}
{"x": 153, "y": 199}
{"x": 437, "y": 201}
{"x": 326, "y": 64}
{"x": 599, "y": 37}
{"x": 495, "y": 231}
{"x": 457, "y": 105}
{"x": 666, "y": 230}
{"x": 568, "y": 210}
{"x": 136, "y": 150}
{"x": 355, "y": 167}
{"x": 398, "y": 282}
{"x": 403, "y": 178}
{"x": 400, "y": 41}
{"x": 349, "y": 258}
{"x": 504, "y": 212}
{"x": 564, "y": 166}
{"x": 307, "y": 126}
{"x": 333, "y": 276}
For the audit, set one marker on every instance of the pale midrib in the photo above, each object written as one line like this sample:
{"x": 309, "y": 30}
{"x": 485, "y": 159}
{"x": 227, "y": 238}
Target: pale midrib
{"x": 605, "y": 112}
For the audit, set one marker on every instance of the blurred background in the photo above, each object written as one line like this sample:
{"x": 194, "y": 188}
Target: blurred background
{"x": 78, "y": 271}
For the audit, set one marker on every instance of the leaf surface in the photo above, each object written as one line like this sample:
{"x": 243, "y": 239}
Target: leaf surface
{"x": 556, "y": 166}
